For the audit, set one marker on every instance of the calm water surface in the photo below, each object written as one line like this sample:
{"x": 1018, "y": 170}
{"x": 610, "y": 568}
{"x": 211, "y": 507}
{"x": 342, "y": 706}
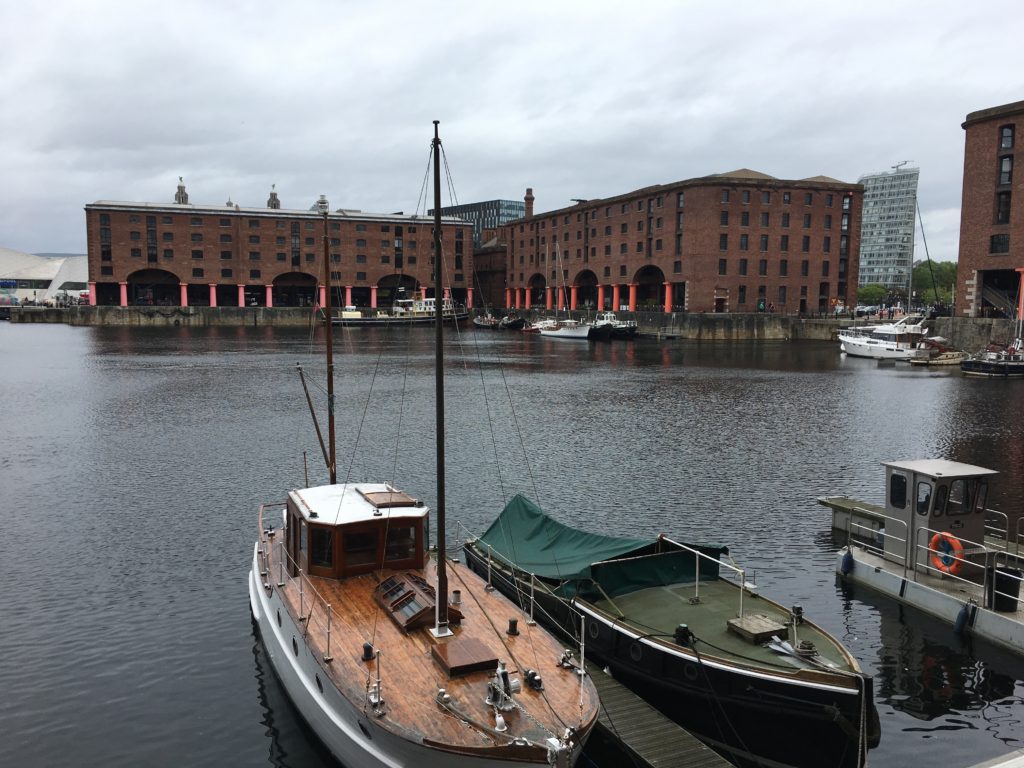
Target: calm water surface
{"x": 133, "y": 462}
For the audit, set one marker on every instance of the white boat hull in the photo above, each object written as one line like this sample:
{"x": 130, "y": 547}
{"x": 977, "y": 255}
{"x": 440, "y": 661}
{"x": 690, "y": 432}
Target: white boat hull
{"x": 879, "y": 350}
{"x": 567, "y": 332}
{"x": 353, "y": 737}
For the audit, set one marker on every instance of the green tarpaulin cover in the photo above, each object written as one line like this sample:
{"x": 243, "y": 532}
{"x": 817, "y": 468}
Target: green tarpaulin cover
{"x": 525, "y": 535}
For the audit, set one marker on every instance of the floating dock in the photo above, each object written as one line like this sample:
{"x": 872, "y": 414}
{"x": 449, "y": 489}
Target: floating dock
{"x": 648, "y": 736}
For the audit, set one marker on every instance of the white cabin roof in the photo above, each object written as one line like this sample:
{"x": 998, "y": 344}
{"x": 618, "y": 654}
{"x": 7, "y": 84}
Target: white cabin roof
{"x": 940, "y": 468}
{"x": 345, "y": 503}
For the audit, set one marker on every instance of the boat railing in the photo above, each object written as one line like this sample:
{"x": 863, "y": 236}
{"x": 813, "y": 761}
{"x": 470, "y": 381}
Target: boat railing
{"x": 738, "y": 573}
{"x": 993, "y": 529}
{"x": 992, "y": 560}
{"x": 873, "y": 539}
{"x": 279, "y": 570}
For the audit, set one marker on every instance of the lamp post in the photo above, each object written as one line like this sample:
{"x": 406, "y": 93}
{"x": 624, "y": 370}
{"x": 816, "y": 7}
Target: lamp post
{"x": 325, "y": 209}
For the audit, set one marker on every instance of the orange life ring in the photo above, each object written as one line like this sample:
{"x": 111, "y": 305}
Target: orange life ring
{"x": 947, "y": 553}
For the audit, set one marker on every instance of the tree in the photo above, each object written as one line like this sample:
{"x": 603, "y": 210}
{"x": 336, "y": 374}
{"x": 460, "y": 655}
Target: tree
{"x": 940, "y": 277}
{"x": 871, "y": 294}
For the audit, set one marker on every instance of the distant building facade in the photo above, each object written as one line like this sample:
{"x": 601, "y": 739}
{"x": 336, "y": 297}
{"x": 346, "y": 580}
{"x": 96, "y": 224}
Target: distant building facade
{"x": 490, "y": 214}
{"x": 887, "y": 228}
{"x": 182, "y": 254}
{"x": 733, "y": 242}
{"x": 990, "y": 268}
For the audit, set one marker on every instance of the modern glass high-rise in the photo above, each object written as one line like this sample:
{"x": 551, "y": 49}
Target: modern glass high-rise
{"x": 486, "y": 215}
{"x": 887, "y": 228}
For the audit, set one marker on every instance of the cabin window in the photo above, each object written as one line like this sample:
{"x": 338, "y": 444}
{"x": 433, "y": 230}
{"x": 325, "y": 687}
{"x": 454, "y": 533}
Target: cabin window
{"x": 302, "y": 537}
{"x": 940, "y": 500}
{"x": 979, "y": 504}
{"x": 898, "y": 491}
{"x": 401, "y": 544}
{"x": 321, "y": 547}
{"x": 959, "y": 498}
{"x": 360, "y": 548}
{"x": 924, "y": 497}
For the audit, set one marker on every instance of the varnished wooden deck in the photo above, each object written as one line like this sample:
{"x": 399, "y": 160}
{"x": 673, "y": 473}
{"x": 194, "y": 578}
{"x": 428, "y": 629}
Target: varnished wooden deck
{"x": 410, "y": 676}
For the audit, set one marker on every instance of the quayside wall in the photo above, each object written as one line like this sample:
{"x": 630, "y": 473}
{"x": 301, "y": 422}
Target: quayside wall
{"x": 969, "y": 334}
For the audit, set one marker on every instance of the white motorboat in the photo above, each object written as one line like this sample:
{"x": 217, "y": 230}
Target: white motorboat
{"x": 565, "y": 329}
{"x": 386, "y": 664}
{"x": 889, "y": 341}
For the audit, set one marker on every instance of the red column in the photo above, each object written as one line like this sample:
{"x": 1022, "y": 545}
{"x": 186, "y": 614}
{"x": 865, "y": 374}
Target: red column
{"x": 508, "y": 298}
{"x": 616, "y": 297}
{"x": 124, "y": 294}
{"x": 270, "y": 295}
{"x": 469, "y": 297}
{"x": 573, "y": 293}
{"x": 373, "y": 296}
{"x": 561, "y": 299}
{"x": 348, "y": 295}
{"x": 668, "y": 298}
{"x": 600, "y": 298}
{"x": 213, "y": 294}
{"x": 241, "y": 295}
{"x": 323, "y": 296}
{"x": 92, "y": 294}
{"x": 632, "y": 297}
{"x": 184, "y": 294}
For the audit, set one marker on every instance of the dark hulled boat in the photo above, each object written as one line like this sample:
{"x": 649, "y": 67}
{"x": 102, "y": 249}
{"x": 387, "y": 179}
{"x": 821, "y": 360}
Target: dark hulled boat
{"x": 755, "y": 680}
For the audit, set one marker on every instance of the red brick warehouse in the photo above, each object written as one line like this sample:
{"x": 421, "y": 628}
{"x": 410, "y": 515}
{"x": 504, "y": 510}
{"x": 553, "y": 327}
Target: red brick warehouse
{"x": 732, "y": 242}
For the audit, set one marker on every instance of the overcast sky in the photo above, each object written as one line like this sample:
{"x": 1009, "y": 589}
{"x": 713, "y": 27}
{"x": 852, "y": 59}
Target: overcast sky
{"x": 116, "y": 100}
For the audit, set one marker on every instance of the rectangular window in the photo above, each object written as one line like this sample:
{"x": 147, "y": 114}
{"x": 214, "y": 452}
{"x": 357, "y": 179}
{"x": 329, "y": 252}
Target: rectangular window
{"x": 762, "y": 267}
{"x": 744, "y": 242}
{"x": 723, "y": 266}
{"x": 805, "y": 244}
{"x": 723, "y": 242}
{"x": 1006, "y": 170}
{"x": 783, "y": 267}
{"x": 826, "y": 245}
{"x": 741, "y": 295}
{"x": 764, "y": 242}
{"x": 254, "y": 238}
{"x": 745, "y": 219}
{"x": 743, "y": 266}
{"x": 766, "y": 198}
{"x": 197, "y": 271}
{"x": 782, "y": 295}
{"x": 657, "y": 244}
{"x": 808, "y": 198}
{"x": 197, "y": 254}
{"x": 807, "y": 221}
{"x": 225, "y": 222}
{"x": 226, "y": 272}
{"x": 254, "y": 255}
{"x": 1006, "y": 137}
{"x": 168, "y": 237}
{"x": 785, "y": 220}
{"x": 168, "y": 253}
{"x": 805, "y": 268}
{"x": 136, "y": 253}
{"x": 764, "y": 218}
{"x": 824, "y": 269}
{"x": 225, "y": 238}
{"x": 999, "y": 244}
{"x": 828, "y": 221}
{"x": 746, "y": 195}
{"x": 784, "y": 243}
{"x": 197, "y": 237}
{"x": 725, "y": 195}
{"x": 1003, "y": 208}
{"x": 225, "y": 255}
{"x": 723, "y": 218}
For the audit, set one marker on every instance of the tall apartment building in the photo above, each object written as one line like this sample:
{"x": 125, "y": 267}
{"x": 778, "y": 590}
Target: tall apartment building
{"x": 180, "y": 254}
{"x": 490, "y": 214}
{"x": 733, "y": 242}
{"x": 887, "y": 228}
{"x": 990, "y": 271}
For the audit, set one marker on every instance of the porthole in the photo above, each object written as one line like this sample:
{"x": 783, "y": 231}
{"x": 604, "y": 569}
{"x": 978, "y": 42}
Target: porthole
{"x": 319, "y": 685}
{"x": 636, "y": 651}
{"x": 279, "y": 617}
{"x": 690, "y": 672}
{"x": 295, "y": 647}
{"x": 593, "y": 630}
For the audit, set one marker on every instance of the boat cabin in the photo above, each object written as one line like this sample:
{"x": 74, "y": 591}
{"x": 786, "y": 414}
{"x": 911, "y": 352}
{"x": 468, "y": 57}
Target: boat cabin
{"x": 943, "y": 497}
{"x": 349, "y": 529}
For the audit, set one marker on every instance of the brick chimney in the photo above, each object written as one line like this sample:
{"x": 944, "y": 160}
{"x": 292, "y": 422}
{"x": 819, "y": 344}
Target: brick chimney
{"x": 529, "y": 202}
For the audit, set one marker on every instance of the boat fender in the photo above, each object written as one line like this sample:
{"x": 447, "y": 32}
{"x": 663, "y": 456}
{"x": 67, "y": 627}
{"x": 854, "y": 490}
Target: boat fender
{"x": 847, "y": 564}
{"x": 960, "y": 625}
{"x": 946, "y": 553}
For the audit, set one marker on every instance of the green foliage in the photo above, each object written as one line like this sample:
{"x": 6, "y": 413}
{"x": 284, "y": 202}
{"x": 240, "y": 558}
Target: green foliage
{"x": 944, "y": 279}
{"x": 871, "y": 294}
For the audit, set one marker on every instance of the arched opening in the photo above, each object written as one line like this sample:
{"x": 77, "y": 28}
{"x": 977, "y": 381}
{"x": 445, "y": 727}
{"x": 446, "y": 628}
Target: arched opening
{"x": 295, "y": 289}
{"x": 586, "y": 290}
{"x": 536, "y": 289}
{"x": 391, "y": 287}
{"x": 650, "y": 290}
{"x": 153, "y": 287}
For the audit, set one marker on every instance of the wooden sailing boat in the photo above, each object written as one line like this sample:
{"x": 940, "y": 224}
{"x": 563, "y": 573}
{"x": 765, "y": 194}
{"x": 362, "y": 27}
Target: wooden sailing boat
{"x": 387, "y": 665}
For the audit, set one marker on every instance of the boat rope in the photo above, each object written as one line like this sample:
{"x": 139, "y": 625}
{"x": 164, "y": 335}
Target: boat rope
{"x": 470, "y": 590}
